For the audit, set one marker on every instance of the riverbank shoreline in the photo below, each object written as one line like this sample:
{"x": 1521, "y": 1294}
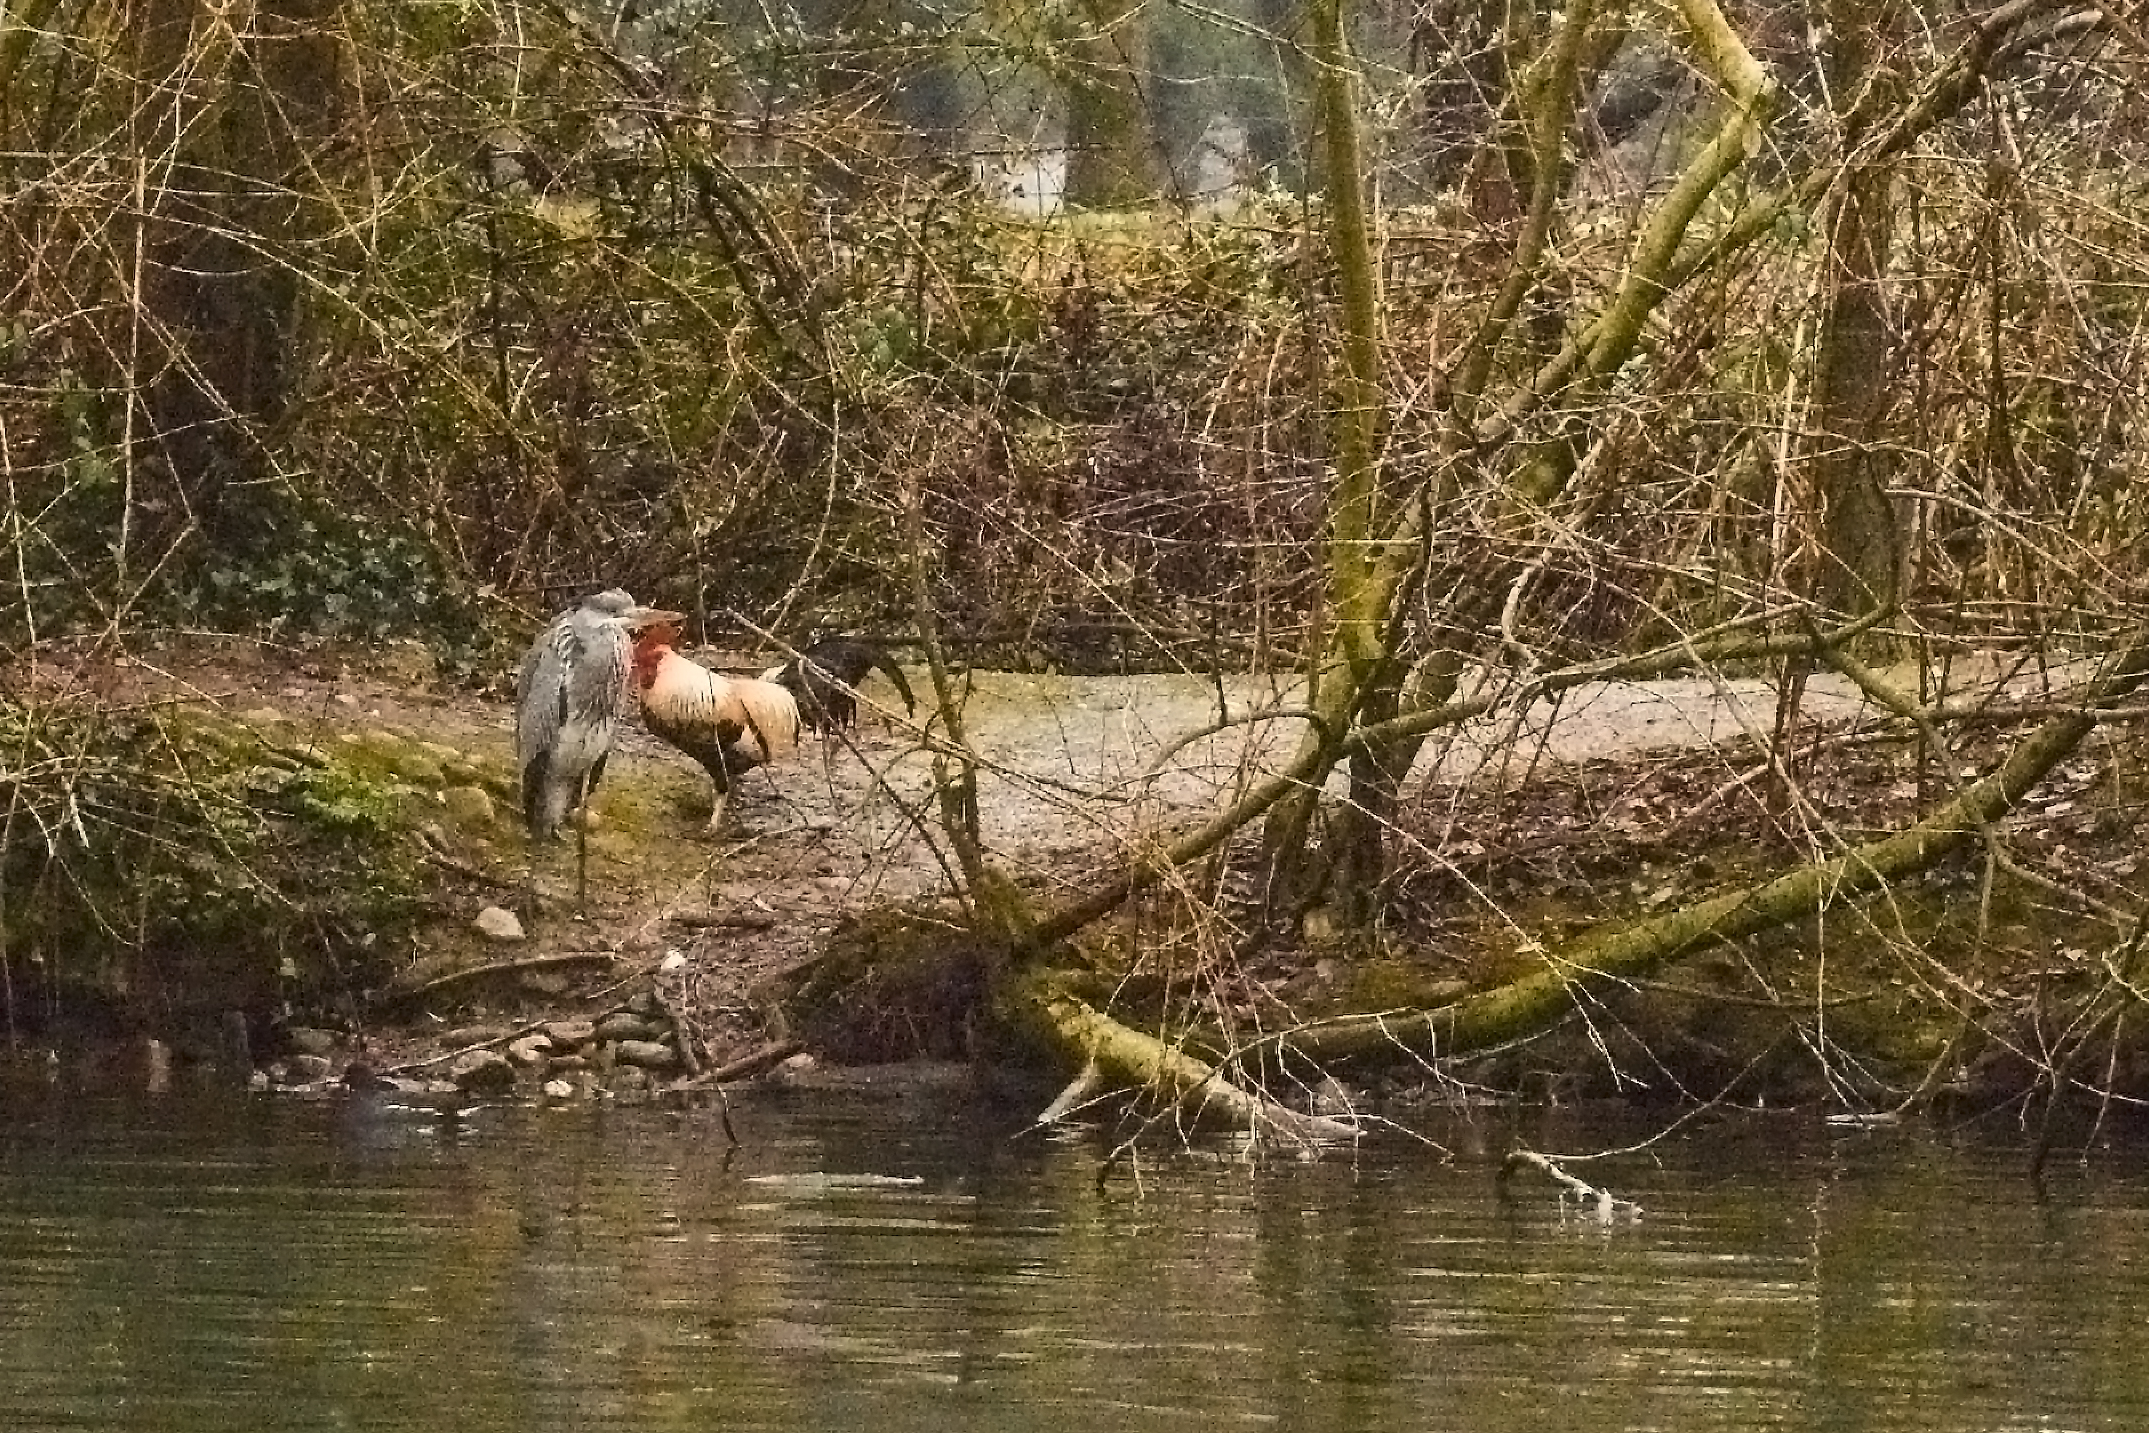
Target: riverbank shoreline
{"x": 1614, "y": 802}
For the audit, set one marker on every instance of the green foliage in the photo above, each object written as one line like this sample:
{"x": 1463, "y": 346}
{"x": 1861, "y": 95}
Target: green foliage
{"x": 62, "y": 526}
{"x": 280, "y": 565}
{"x": 183, "y": 857}
{"x": 308, "y": 569}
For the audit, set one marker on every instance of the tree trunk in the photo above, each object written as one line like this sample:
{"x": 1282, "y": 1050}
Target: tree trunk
{"x": 1352, "y": 645}
{"x": 1858, "y": 548}
{"x": 1841, "y": 548}
{"x": 234, "y": 116}
{"x": 1114, "y": 160}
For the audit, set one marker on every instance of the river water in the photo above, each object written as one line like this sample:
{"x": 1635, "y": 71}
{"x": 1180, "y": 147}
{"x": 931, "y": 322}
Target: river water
{"x": 877, "y": 1262}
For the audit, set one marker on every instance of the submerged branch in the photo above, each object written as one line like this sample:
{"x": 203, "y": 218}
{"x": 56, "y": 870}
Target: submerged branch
{"x": 1105, "y": 1050}
{"x": 1608, "y": 1203}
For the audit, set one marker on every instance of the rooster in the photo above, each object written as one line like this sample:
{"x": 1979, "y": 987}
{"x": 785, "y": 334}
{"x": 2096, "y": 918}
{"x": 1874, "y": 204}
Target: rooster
{"x": 824, "y": 680}
{"x": 730, "y": 725}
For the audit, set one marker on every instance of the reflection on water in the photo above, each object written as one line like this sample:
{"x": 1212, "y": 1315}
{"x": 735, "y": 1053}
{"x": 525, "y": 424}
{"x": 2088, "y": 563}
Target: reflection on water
{"x": 895, "y": 1263}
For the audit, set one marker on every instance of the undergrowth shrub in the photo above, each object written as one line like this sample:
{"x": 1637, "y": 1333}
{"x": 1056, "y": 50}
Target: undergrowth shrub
{"x": 173, "y": 861}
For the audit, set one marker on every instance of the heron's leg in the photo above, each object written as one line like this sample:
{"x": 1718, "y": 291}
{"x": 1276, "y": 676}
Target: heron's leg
{"x": 582, "y": 866}
{"x": 529, "y": 882}
{"x": 716, "y": 811}
{"x": 582, "y": 847}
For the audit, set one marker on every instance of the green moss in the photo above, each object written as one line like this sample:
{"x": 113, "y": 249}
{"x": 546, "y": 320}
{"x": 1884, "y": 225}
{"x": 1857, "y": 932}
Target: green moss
{"x": 393, "y": 755}
{"x": 187, "y": 859}
{"x": 1388, "y": 983}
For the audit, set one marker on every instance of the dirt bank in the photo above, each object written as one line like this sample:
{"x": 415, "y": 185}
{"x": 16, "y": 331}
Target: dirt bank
{"x": 1077, "y": 769}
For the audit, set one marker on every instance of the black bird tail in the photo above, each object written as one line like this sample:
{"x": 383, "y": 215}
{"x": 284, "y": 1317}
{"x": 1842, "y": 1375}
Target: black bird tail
{"x": 825, "y": 677}
{"x": 885, "y": 665}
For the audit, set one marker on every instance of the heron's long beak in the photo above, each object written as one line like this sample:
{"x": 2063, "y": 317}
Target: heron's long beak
{"x": 640, "y": 618}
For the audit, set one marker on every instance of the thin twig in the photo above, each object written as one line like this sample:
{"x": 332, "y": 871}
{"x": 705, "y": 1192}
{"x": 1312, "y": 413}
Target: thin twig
{"x": 751, "y": 1063}
{"x": 506, "y": 967}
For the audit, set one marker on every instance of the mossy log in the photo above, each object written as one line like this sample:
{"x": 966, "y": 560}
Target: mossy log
{"x": 1535, "y": 1003}
{"x": 1107, "y": 1053}
{"x": 906, "y": 984}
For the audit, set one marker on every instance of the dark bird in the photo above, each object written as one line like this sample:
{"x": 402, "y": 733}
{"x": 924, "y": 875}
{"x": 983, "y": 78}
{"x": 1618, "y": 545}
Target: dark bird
{"x": 824, "y": 679}
{"x": 568, "y": 699}
{"x": 730, "y": 725}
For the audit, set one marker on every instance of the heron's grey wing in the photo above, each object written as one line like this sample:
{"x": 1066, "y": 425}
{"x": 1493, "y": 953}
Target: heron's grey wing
{"x": 540, "y": 689}
{"x": 595, "y": 686}
{"x": 530, "y": 659}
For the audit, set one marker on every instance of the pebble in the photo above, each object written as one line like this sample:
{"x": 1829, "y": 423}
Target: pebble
{"x": 499, "y": 923}
{"x": 306, "y": 1040}
{"x": 482, "y": 1072}
{"x": 571, "y": 1033}
{"x": 646, "y": 1054}
{"x": 306, "y": 1069}
{"x": 530, "y": 1050}
{"x": 468, "y": 805}
{"x": 625, "y": 1025}
{"x": 559, "y": 1090}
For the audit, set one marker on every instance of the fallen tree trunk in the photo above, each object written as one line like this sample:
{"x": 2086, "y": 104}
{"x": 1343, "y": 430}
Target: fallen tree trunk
{"x": 1108, "y": 1053}
{"x": 1537, "y": 1002}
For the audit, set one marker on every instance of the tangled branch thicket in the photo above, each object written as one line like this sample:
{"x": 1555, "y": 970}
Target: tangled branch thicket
{"x": 352, "y": 318}
{"x": 348, "y": 317}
